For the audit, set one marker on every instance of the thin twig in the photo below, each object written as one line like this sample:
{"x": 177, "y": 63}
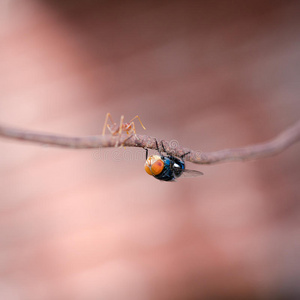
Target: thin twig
{"x": 269, "y": 148}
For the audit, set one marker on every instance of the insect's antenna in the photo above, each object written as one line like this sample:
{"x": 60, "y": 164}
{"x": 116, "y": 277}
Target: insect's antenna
{"x": 146, "y": 153}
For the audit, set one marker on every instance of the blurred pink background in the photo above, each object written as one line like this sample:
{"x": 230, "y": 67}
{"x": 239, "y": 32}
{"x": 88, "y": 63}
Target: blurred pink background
{"x": 91, "y": 224}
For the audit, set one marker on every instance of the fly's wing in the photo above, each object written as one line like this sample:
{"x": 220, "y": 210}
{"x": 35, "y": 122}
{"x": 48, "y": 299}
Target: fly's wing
{"x": 191, "y": 173}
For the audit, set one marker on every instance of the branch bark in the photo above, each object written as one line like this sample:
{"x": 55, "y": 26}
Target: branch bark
{"x": 284, "y": 140}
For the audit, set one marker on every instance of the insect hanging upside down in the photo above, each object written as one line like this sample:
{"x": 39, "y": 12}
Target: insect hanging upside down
{"x": 167, "y": 167}
{"x": 114, "y": 129}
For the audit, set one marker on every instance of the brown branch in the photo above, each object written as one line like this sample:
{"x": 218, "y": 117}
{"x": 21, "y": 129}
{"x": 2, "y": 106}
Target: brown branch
{"x": 269, "y": 148}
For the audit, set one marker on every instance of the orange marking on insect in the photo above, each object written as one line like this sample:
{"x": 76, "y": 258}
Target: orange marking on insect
{"x": 154, "y": 165}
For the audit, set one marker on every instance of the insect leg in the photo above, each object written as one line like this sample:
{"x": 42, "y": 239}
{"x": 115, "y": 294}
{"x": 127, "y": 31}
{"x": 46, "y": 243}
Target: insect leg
{"x": 120, "y": 130}
{"x": 111, "y": 119}
{"x": 163, "y": 146}
{"x": 121, "y": 125}
{"x": 157, "y": 148}
{"x": 133, "y": 127}
{"x": 130, "y": 136}
{"x": 105, "y": 123}
{"x": 185, "y": 154}
{"x": 108, "y": 115}
{"x": 137, "y": 117}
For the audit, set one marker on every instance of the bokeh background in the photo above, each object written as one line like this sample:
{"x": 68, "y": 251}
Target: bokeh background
{"x": 91, "y": 224}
